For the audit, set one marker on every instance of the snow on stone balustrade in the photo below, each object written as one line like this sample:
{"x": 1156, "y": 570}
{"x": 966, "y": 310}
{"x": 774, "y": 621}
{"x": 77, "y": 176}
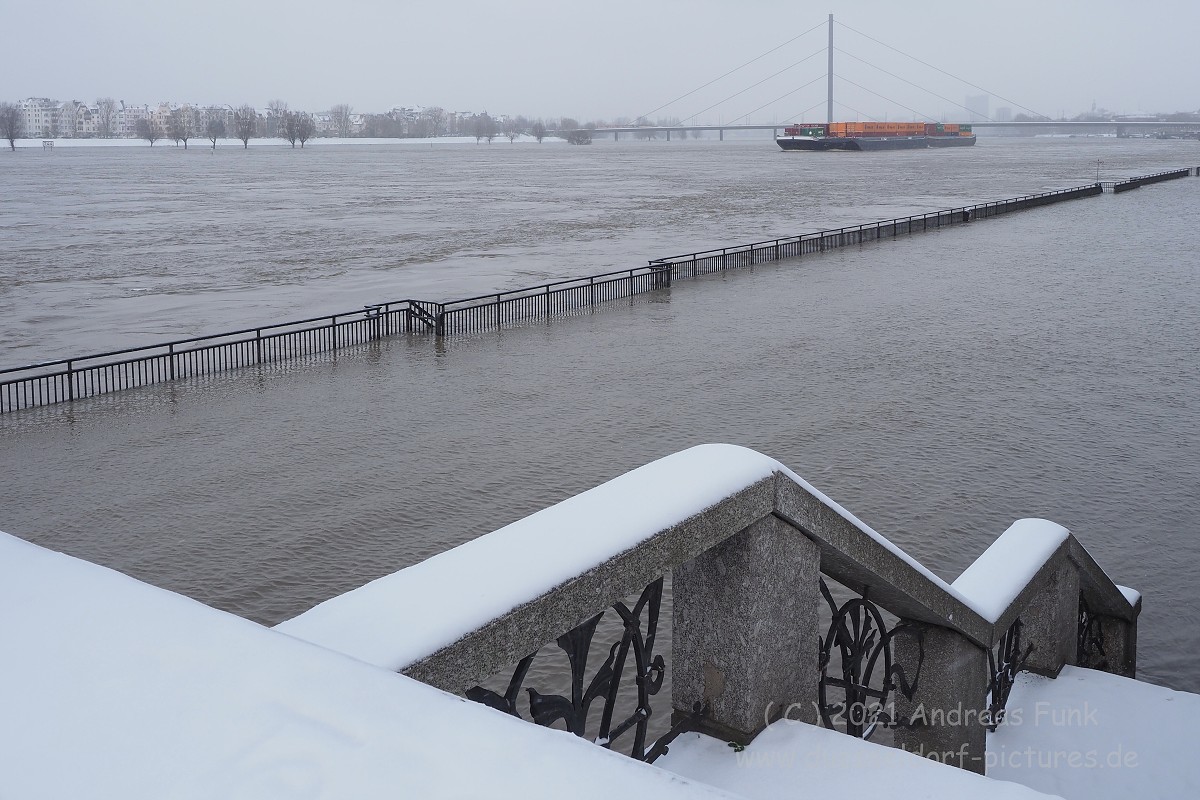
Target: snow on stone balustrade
{"x": 111, "y": 688}
{"x": 388, "y": 622}
{"x": 1132, "y": 596}
{"x": 994, "y": 580}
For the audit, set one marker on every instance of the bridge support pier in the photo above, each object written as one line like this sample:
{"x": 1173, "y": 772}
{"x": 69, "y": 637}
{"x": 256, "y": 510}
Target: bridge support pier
{"x": 668, "y": 134}
{"x": 721, "y": 134}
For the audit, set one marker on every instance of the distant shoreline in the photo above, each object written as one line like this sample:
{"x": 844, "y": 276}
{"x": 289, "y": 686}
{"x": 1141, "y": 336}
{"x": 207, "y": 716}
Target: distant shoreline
{"x": 200, "y": 142}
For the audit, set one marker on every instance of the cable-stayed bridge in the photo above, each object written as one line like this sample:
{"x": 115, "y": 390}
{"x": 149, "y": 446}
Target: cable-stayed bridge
{"x": 1119, "y": 127}
{"x": 1030, "y": 123}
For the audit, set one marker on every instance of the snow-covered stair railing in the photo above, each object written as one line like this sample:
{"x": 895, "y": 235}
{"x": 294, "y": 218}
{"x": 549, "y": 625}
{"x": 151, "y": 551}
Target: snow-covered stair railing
{"x": 749, "y": 546}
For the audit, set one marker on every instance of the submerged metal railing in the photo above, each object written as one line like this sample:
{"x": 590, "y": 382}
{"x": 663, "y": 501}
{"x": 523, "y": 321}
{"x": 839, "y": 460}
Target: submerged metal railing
{"x": 708, "y": 261}
{"x": 1146, "y": 180}
{"x": 64, "y": 380}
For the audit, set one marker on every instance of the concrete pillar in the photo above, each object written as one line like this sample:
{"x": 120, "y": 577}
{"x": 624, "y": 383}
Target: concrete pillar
{"x": 721, "y": 134}
{"x": 668, "y": 135}
{"x": 745, "y": 629}
{"x": 1050, "y": 622}
{"x": 945, "y": 720}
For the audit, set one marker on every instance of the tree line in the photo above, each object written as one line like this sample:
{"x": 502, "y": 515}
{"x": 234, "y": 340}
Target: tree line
{"x": 279, "y": 121}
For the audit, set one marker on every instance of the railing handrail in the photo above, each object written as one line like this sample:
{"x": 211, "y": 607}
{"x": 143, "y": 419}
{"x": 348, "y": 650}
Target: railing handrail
{"x": 865, "y": 225}
{"x": 586, "y": 280}
{"x": 386, "y": 308}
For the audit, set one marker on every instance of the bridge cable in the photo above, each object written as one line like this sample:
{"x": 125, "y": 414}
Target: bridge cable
{"x": 759, "y": 83}
{"x": 910, "y": 83}
{"x": 877, "y": 94}
{"x": 777, "y": 99}
{"x": 931, "y": 66}
{"x": 856, "y": 111}
{"x": 735, "y": 69}
{"x": 799, "y": 117}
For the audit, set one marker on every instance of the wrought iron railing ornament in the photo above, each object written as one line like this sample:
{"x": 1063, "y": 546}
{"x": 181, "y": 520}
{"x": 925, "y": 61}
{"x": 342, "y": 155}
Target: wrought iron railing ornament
{"x": 1003, "y": 665}
{"x": 1089, "y": 649}
{"x": 648, "y": 673}
{"x": 862, "y": 639}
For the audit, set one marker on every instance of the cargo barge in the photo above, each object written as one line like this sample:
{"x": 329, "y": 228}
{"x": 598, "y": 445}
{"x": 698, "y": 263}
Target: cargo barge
{"x": 875, "y": 136}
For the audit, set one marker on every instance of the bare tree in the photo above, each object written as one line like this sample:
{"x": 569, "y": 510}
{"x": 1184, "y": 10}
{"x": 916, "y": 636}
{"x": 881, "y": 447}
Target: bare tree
{"x": 277, "y": 114}
{"x": 148, "y": 129}
{"x": 106, "y": 117}
{"x": 512, "y": 129}
{"x": 305, "y": 127}
{"x": 539, "y": 131}
{"x": 289, "y": 128}
{"x": 12, "y": 124}
{"x": 215, "y": 129}
{"x": 437, "y": 120}
{"x": 339, "y": 115}
{"x": 483, "y": 127}
{"x": 245, "y": 124}
{"x": 582, "y": 136}
{"x": 183, "y": 125}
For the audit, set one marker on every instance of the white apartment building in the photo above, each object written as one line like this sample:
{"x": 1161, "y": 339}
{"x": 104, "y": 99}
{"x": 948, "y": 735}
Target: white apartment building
{"x": 40, "y": 116}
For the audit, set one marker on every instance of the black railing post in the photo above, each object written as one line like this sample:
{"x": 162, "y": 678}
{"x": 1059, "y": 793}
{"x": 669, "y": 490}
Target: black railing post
{"x": 333, "y": 331}
{"x": 70, "y": 380}
{"x": 258, "y": 346}
{"x": 171, "y": 359}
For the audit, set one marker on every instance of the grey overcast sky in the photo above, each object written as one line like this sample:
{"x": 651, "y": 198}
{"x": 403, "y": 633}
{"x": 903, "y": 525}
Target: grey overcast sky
{"x": 602, "y": 59}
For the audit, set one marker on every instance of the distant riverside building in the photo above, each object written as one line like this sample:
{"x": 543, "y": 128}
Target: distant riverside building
{"x": 127, "y": 119}
{"x": 977, "y": 107}
{"x": 40, "y": 117}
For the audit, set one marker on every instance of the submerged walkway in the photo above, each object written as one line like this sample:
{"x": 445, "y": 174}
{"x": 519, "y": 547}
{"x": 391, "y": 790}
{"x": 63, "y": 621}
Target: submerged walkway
{"x": 66, "y": 380}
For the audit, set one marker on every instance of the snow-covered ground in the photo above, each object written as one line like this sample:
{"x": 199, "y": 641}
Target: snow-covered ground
{"x": 111, "y": 689}
{"x": 793, "y": 759}
{"x": 1086, "y": 735}
{"x": 1089, "y": 735}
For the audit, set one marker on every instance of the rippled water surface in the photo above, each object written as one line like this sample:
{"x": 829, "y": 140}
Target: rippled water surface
{"x": 940, "y": 386}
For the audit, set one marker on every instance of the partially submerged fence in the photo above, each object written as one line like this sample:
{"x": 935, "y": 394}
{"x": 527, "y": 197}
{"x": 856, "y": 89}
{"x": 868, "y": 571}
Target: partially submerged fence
{"x": 1146, "y": 180}
{"x": 708, "y": 261}
{"x": 69, "y": 379}
{"x": 64, "y": 380}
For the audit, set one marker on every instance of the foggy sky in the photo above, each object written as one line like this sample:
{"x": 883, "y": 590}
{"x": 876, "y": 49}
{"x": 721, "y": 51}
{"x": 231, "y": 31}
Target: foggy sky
{"x": 605, "y": 58}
